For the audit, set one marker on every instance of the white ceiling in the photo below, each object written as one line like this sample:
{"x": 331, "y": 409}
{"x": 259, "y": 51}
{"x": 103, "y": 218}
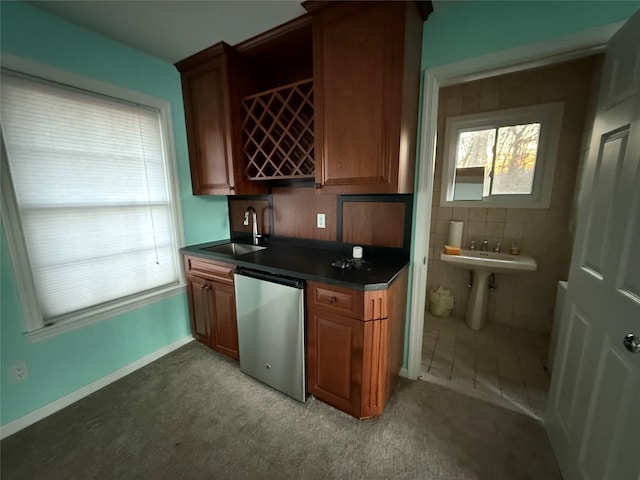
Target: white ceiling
{"x": 173, "y": 30}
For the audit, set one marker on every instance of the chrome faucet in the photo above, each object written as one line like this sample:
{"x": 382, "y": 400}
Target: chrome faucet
{"x": 485, "y": 246}
{"x": 255, "y": 236}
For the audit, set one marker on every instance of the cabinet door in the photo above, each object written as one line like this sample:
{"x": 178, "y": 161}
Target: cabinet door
{"x": 208, "y": 121}
{"x": 200, "y": 312}
{"x": 358, "y": 70}
{"x": 334, "y": 359}
{"x": 224, "y": 326}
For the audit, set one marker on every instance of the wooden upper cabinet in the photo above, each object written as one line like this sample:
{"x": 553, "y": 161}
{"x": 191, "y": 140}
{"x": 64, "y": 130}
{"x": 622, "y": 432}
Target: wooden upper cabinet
{"x": 211, "y": 85}
{"x": 366, "y": 71}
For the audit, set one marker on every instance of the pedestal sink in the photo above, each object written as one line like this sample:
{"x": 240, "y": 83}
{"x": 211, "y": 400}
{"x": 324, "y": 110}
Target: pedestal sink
{"x": 483, "y": 264}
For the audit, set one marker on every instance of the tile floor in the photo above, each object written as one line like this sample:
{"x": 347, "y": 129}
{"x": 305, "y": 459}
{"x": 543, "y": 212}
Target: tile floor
{"x": 500, "y": 364}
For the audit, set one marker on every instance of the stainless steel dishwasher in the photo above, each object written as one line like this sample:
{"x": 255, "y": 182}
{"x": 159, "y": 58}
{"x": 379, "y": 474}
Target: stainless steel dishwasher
{"x": 271, "y": 330}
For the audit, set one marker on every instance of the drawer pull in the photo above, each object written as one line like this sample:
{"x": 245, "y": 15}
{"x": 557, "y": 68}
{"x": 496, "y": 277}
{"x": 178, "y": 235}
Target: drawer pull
{"x": 332, "y": 299}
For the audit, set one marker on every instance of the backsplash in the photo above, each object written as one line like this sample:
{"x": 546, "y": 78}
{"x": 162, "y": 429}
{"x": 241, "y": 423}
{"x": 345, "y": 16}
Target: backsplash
{"x": 522, "y": 300}
{"x": 263, "y": 208}
{"x": 294, "y": 213}
{"x": 379, "y": 220}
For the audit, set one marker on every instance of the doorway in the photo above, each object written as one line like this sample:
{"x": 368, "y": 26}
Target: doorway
{"x": 506, "y": 362}
{"x": 515, "y": 60}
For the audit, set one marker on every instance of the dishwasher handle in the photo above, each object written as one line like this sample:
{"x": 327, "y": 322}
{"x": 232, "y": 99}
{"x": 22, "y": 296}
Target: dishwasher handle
{"x": 271, "y": 277}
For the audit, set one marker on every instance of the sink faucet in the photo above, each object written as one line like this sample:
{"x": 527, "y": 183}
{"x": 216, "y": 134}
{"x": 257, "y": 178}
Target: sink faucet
{"x": 485, "y": 246}
{"x": 255, "y": 236}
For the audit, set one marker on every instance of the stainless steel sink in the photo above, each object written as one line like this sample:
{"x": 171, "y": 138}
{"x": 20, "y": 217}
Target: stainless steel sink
{"x": 234, "y": 249}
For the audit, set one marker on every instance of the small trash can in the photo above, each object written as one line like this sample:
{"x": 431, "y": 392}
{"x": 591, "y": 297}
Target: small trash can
{"x": 440, "y": 301}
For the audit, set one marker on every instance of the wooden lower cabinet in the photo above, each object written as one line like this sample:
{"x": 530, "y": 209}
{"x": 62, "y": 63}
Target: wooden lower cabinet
{"x": 212, "y": 307}
{"x": 345, "y": 358}
{"x": 353, "y": 358}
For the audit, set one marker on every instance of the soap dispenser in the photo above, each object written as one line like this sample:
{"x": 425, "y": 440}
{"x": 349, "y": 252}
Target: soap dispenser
{"x": 514, "y": 249}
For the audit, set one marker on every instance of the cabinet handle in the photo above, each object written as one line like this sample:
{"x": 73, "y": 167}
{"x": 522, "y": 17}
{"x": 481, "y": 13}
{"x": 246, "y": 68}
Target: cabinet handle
{"x": 332, "y": 299}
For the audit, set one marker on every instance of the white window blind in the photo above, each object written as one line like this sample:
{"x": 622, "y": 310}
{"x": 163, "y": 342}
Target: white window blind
{"x": 93, "y": 193}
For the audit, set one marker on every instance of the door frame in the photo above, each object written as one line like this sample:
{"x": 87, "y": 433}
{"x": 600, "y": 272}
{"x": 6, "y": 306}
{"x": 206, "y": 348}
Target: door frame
{"x": 548, "y": 52}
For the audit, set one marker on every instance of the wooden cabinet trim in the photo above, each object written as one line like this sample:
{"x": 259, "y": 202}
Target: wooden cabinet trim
{"x": 397, "y": 306}
{"x": 374, "y": 368}
{"x": 375, "y": 305}
{"x": 202, "y": 56}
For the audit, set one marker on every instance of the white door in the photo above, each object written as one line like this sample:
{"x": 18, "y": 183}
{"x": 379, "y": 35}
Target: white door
{"x": 593, "y": 412}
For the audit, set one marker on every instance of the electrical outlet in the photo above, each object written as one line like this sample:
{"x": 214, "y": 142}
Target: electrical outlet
{"x": 320, "y": 220}
{"x": 18, "y": 372}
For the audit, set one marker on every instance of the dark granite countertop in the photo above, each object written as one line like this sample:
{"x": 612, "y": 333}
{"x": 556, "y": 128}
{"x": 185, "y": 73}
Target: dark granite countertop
{"x": 311, "y": 260}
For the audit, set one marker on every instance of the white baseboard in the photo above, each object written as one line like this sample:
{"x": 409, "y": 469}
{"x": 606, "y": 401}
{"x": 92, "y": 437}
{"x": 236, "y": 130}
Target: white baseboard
{"x": 37, "y": 415}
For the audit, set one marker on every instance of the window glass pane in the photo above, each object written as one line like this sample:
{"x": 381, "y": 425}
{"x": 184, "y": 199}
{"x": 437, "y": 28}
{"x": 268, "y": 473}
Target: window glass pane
{"x": 475, "y": 149}
{"x": 91, "y": 183}
{"x": 516, "y": 153}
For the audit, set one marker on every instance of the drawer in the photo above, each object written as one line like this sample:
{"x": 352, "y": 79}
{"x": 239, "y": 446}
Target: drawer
{"x": 370, "y": 305}
{"x": 209, "y": 269}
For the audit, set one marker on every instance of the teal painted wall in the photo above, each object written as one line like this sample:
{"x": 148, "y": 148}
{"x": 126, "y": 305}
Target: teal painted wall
{"x": 65, "y": 363}
{"x": 460, "y": 30}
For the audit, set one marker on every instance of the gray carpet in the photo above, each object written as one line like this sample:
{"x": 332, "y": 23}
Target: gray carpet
{"x": 194, "y": 415}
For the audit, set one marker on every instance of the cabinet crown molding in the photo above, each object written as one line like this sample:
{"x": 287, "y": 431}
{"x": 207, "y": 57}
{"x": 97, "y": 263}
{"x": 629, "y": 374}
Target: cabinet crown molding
{"x": 202, "y": 56}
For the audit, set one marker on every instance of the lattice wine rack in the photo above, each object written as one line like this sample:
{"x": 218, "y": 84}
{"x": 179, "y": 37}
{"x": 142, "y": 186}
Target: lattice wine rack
{"x": 277, "y": 132}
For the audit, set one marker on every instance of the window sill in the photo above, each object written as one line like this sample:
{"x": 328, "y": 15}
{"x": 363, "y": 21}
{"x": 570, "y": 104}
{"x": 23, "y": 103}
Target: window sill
{"x": 496, "y": 203}
{"x": 104, "y": 313}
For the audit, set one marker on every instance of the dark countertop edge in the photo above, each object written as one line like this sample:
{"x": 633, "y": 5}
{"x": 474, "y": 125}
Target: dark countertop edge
{"x": 197, "y": 251}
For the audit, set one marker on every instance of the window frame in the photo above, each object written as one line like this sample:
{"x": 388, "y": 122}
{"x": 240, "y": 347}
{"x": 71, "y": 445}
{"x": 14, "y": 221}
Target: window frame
{"x": 549, "y": 115}
{"x": 35, "y": 328}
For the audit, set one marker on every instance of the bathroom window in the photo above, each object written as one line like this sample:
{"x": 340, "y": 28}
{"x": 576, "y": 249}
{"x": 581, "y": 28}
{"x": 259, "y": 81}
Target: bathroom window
{"x": 502, "y": 159}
